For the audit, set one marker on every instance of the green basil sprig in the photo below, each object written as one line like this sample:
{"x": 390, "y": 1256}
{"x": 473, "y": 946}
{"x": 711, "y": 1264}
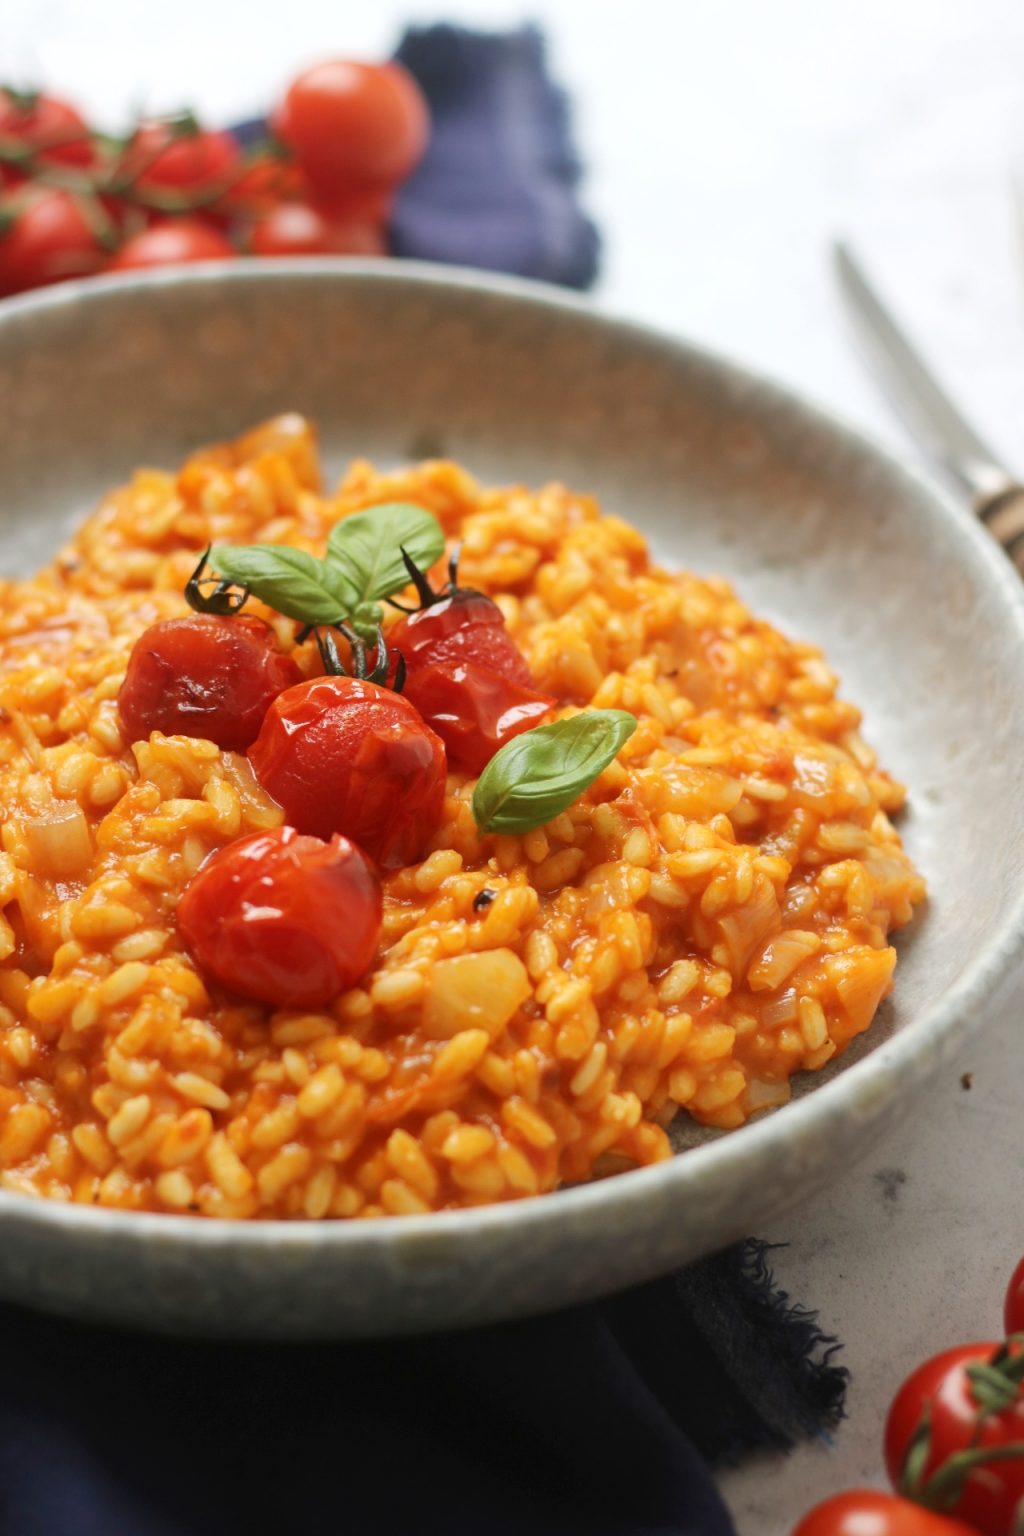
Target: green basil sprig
{"x": 364, "y": 551}
{"x": 541, "y": 772}
{"x": 363, "y": 564}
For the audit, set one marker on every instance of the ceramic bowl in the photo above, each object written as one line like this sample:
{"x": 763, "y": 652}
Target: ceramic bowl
{"x": 822, "y": 534}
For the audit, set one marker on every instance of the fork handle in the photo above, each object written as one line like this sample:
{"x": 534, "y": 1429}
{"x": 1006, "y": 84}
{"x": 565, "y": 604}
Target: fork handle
{"x": 1002, "y": 513}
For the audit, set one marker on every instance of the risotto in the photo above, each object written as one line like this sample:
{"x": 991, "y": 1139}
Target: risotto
{"x": 709, "y": 917}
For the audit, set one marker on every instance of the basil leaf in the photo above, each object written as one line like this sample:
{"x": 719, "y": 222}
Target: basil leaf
{"x": 365, "y": 550}
{"x": 290, "y": 580}
{"x": 541, "y": 772}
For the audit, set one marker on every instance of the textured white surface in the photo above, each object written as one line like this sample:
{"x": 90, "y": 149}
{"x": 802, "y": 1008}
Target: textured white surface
{"x": 725, "y": 145}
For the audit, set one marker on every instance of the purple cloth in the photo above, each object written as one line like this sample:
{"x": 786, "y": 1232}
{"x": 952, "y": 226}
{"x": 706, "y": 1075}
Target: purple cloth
{"x": 498, "y": 186}
{"x": 598, "y": 1421}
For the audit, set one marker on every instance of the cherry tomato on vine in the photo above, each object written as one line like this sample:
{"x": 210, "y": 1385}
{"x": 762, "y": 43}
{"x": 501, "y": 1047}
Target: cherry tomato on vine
{"x": 1014, "y": 1308}
{"x": 351, "y": 125}
{"x": 162, "y": 159}
{"x": 204, "y": 676}
{"x": 171, "y": 242}
{"x": 260, "y": 185}
{"x": 473, "y": 710}
{"x": 300, "y": 229}
{"x": 50, "y": 129}
{"x": 283, "y": 919}
{"x": 946, "y": 1416}
{"x": 340, "y": 754}
{"x": 869, "y": 1512}
{"x": 47, "y": 235}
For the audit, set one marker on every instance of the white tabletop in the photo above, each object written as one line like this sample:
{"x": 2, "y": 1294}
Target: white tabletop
{"x": 726, "y": 145}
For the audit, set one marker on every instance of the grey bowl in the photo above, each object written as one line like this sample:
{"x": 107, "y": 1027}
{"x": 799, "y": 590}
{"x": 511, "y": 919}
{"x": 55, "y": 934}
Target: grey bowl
{"x": 920, "y": 614}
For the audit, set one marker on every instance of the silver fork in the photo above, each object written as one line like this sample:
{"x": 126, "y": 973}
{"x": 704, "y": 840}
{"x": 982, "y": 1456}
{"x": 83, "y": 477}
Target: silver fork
{"x": 944, "y": 433}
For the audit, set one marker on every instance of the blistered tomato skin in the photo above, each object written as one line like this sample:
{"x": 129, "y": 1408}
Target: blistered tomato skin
{"x": 283, "y": 919}
{"x": 341, "y": 755}
{"x": 204, "y": 676}
{"x": 467, "y": 676}
{"x": 465, "y": 627}
{"x": 473, "y": 710}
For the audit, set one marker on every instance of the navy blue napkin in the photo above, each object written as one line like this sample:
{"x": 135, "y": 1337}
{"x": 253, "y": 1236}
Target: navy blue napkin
{"x": 498, "y": 186}
{"x": 601, "y": 1420}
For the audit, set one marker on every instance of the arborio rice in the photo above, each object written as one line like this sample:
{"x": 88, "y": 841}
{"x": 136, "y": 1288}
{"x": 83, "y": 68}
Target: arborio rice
{"x": 709, "y": 918}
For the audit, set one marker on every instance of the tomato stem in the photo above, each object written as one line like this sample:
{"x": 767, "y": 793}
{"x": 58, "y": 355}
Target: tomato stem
{"x": 21, "y": 100}
{"x": 227, "y": 597}
{"x": 944, "y": 1487}
{"x": 334, "y": 666}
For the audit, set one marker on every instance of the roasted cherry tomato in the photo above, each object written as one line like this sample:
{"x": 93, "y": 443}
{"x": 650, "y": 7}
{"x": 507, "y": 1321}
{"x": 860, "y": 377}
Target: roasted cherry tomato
{"x": 353, "y": 125}
{"x": 47, "y": 128}
{"x": 300, "y": 229}
{"x": 473, "y": 710}
{"x": 204, "y": 676}
{"x": 284, "y": 919}
{"x": 458, "y": 624}
{"x": 343, "y": 755}
{"x": 181, "y": 159}
{"x": 1014, "y": 1309}
{"x": 46, "y": 235}
{"x": 945, "y": 1417}
{"x": 869, "y": 1512}
{"x": 466, "y": 675}
{"x": 170, "y": 242}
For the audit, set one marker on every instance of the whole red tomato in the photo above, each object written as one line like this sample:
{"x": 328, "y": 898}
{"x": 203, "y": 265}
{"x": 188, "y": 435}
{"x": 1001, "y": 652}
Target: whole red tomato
{"x": 47, "y": 127}
{"x": 170, "y": 243}
{"x": 869, "y": 1512}
{"x": 342, "y": 755}
{"x": 353, "y": 125}
{"x": 954, "y": 1437}
{"x": 47, "y": 235}
{"x": 286, "y": 920}
{"x": 180, "y": 158}
{"x": 204, "y": 676}
{"x": 1014, "y": 1308}
{"x": 300, "y": 229}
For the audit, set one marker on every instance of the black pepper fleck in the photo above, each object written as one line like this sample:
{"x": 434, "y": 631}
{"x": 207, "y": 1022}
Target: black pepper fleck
{"x": 483, "y": 899}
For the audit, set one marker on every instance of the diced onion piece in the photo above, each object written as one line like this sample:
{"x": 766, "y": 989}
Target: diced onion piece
{"x": 862, "y": 977}
{"x": 59, "y": 843}
{"x": 478, "y": 991}
{"x": 783, "y": 1010}
{"x": 761, "y": 1095}
{"x": 780, "y": 957}
{"x": 745, "y": 929}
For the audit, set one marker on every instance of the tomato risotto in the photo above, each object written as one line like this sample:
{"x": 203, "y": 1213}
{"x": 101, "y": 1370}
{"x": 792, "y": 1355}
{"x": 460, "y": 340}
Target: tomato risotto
{"x": 699, "y": 911}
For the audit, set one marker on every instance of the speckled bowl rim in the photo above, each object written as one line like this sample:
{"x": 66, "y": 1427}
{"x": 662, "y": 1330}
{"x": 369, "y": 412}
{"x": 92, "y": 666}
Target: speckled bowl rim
{"x": 864, "y": 1089}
